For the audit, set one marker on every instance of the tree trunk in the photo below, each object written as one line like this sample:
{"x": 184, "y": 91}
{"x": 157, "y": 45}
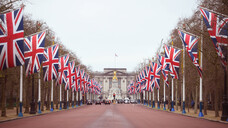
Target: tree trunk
{"x": 176, "y": 95}
{"x": 57, "y": 96}
{"x": 3, "y": 114}
{"x": 205, "y": 102}
{"x": 48, "y": 97}
{"x": 27, "y": 94}
{"x": 11, "y": 101}
{"x": 216, "y": 103}
{"x": 196, "y": 101}
{"x": 43, "y": 94}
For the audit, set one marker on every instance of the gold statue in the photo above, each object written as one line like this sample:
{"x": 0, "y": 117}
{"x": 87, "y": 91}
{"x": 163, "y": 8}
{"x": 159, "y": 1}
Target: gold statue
{"x": 114, "y": 77}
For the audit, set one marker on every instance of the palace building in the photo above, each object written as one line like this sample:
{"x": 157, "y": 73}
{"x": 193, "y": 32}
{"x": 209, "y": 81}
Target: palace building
{"x": 114, "y": 81}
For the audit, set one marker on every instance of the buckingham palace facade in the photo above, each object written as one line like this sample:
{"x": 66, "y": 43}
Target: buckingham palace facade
{"x": 105, "y": 79}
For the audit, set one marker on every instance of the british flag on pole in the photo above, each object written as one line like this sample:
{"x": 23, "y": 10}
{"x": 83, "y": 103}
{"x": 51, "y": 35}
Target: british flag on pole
{"x": 172, "y": 59}
{"x": 148, "y": 79}
{"x": 155, "y": 74}
{"x": 51, "y": 63}
{"x": 70, "y": 76}
{"x": 164, "y": 68}
{"x": 190, "y": 43}
{"x": 34, "y": 52}
{"x": 82, "y": 80}
{"x": 11, "y": 39}
{"x": 77, "y": 76}
{"x": 63, "y": 69}
{"x": 217, "y": 27}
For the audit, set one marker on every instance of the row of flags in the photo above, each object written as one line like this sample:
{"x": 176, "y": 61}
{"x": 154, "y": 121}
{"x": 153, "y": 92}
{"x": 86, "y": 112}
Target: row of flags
{"x": 17, "y": 50}
{"x": 148, "y": 78}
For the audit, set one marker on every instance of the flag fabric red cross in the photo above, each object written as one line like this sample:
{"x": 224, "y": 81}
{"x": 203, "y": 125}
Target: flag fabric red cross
{"x": 63, "y": 69}
{"x": 70, "y": 76}
{"x": 217, "y": 27}
{"x": 148, "y": 79}
{"x": 51, "y": 63}
{"x": 155, "y": 73}
{"x": 82, "y": 80}
{"x": 172, "y": 59}
{"x": 34, "y": 52}
{"x": 138, "y": 84}
{"x": 164, "y": 68}
{"x": 77, "y": 77}
{"x": 133, "y": 87}
{"x": 11, "y": 39}
{"x": 190, "y": 43}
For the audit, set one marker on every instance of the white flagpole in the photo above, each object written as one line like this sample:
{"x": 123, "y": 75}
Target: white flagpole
{"x": 201, "y": 64}
{"x": 67, "y": 100}
{"x": 39, "y": 93}
{"x": 51, "y": 96}
{"x": 172, "y": 106}
{"x": 60, "y": 97}
{"x": 164, "y": 96}
{"x": 153, "y": 100}
{"x": 144, "y": 97}
{"x": 158, "y": 106}
{"x": 183, "y": 111}
{"x": 21, "y": 91}
{"x": 73, "y": 99}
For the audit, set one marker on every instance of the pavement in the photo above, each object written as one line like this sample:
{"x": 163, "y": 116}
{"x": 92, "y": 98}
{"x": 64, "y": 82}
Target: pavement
{"x": 112, "y": 116}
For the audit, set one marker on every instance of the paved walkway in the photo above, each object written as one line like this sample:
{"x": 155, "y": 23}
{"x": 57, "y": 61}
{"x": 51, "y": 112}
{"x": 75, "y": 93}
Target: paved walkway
{"x": 112, "y": 116}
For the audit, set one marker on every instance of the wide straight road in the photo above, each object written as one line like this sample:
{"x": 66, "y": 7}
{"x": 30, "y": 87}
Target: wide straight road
{"x": 112, "y": 116}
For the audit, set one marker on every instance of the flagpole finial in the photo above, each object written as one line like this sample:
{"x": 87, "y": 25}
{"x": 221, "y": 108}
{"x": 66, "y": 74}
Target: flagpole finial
{"x": 53, "y": 40}
{"x": 172, "y": 39}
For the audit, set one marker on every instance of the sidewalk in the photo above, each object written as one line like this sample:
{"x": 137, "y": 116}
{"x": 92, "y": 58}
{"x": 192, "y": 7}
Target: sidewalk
{"x": 210, "y": 114}
{"x": 11, "y": 113}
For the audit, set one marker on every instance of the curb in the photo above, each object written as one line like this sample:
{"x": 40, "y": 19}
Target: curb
{"x": 219, "y": 121}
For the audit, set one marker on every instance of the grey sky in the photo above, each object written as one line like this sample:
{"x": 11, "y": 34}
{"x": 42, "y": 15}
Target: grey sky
{"x": 97, "y": 29}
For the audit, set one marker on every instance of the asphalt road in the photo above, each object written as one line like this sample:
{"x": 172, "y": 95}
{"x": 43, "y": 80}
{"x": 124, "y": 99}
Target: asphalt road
{"x": 112, "y": 116}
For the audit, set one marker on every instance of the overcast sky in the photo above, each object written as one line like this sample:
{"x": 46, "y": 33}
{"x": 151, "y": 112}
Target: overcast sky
{"x": 97, "y": 29}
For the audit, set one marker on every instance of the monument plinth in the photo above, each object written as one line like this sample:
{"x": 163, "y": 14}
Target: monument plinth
{"x": 114, "y": 89}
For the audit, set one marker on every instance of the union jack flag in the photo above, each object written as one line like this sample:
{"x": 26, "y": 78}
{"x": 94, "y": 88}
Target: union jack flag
{"x": 93, "y": 84}
{"x": 138, "y": 84}
{"x": 86, "y": 82}
{"x": 148, "y": 79}
{"x": 51, "y": 63}
{"x": 190, "y": 43}
{"x": 133, "y": 87}
{"x": 129, "y": 89}
{"x": 77, "y": 76}
{"x": 172, "y": 59}
{"x": 82, "y": 84}
{"x": 142, "y": 77}
{"x": 11, "y": 39}
{"x": 34, "y": 52}
{"x": 63, "y": 69}
{"x": 156, "y": 70}
{"x": 165, "y": 70}
{"x": 70, "y": 76}
{"x": 217, "y": 27}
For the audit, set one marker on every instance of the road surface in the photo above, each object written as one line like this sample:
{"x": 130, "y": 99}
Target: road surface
{"x": 112, "y": 116}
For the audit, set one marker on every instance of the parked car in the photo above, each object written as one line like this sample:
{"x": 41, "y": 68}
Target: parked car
{"x": 126, "y": 101}
{"x": 98, "y": 102}
{"x": 120, "y": 101}
{"x": 107, "y": 102}
{"x": 89, "y": 102}
{"x": 133, "y": 101}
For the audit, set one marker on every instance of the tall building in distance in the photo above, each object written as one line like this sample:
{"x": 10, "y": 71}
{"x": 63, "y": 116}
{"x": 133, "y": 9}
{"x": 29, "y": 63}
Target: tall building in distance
{"x": 105, "y": 79}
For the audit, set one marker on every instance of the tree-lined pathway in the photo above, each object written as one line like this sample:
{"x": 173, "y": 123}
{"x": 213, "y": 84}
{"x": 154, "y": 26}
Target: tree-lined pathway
{"x": 112, "y": 116}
